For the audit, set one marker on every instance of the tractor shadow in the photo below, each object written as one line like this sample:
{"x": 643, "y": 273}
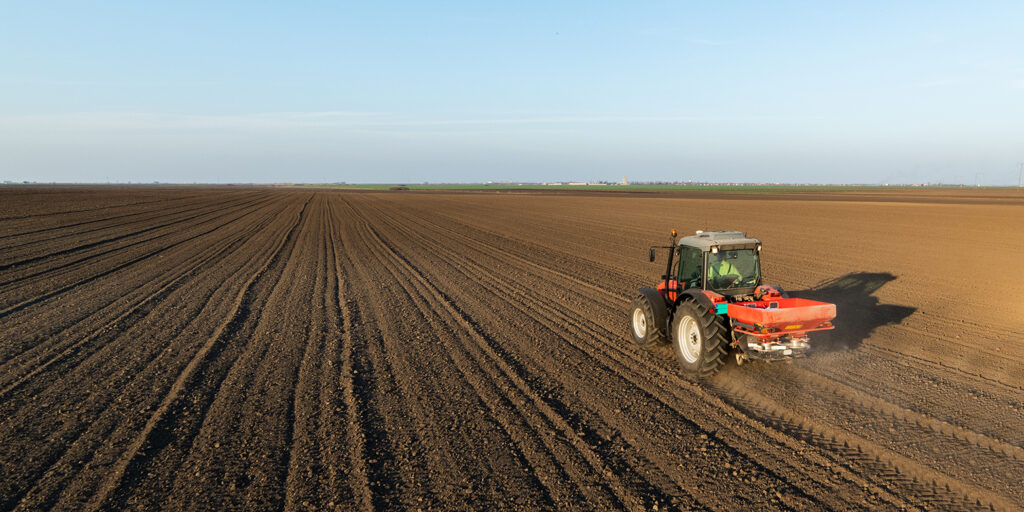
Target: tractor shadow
{"x": 858, "y": 313}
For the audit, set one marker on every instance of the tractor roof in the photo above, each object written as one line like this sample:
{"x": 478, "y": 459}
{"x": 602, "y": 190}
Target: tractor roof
{"x": 705, "y": 240}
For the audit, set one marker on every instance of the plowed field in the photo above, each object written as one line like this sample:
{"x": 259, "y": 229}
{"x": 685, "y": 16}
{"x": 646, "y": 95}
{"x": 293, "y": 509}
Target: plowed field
{"x": 259, "y": 348}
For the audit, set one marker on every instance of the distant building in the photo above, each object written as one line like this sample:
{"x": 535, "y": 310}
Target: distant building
{"x": 624, "y": 181}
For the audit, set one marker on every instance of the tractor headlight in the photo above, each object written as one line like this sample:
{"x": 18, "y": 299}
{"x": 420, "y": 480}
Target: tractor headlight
{"x": 714, "y": 250}
{"x": 758, "y": 247}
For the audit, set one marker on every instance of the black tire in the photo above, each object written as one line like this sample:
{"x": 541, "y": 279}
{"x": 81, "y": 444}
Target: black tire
{"x": 645, "y": 323}
{"x": 698, "y": 340}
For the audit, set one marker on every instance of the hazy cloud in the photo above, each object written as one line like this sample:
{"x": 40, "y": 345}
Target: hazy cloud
{"x": 327, "y": 119}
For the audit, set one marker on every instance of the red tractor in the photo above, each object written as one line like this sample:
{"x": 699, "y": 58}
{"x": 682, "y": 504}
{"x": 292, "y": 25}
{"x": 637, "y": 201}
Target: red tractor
{"x": 712, "y": 301}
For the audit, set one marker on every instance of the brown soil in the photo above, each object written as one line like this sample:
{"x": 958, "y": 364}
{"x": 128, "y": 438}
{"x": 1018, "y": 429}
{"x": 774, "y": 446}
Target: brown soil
{"x": 258, "y": 348}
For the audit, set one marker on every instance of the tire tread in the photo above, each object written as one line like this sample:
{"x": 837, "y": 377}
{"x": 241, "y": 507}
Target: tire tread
{"x": 715, "y": 346}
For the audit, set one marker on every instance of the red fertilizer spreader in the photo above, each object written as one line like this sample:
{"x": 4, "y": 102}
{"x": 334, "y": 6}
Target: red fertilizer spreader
{"x": 778, "y": 327}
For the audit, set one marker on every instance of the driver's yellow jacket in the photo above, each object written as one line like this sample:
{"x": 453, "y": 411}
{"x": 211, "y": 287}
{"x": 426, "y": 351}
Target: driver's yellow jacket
{"x": 722, "y": 268}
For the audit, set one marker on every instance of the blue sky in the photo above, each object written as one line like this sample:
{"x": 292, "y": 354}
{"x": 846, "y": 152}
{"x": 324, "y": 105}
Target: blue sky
{"x": 407, "y": 92}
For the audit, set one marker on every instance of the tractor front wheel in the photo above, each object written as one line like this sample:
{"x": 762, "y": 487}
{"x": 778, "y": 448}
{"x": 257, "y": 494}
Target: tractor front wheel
{"x": 698, "y": 340}
{"x": 645, "y": 325}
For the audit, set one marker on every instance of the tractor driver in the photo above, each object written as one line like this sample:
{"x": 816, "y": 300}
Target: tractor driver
{"x": 723, "y": 267}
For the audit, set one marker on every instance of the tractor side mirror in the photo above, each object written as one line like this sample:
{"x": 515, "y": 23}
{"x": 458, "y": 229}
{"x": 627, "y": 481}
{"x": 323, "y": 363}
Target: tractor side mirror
{"x": 651, "y": 255}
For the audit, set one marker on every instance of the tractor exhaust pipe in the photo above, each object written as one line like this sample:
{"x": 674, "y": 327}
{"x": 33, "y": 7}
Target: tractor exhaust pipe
{"x": 668, "y": 267}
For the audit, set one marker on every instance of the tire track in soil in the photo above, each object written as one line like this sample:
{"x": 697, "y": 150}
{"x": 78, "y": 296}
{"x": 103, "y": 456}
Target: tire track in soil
{"x": 896, "y": 356}
{"x": 901, "y": 473}
{"x": 532, "y": 255}
{"x": 557, "y": 324}
{"x": 311, "y": 403}
{"x": 59, "y": 271}
{"x": 792, "y": 256}
{"x": 380, "y": 443}
{"x": 187, "y": 392}
{"x": 396, "y": 445}
{"x": 50, "y": 273}
{"x": 904, "y": 442}
{"x": 1000, "y": 364}
{"x": 1000, "y": 398}
{"x": 345, "y": 464}
{"x": 905, "y": 434}
{"x": 915, "y": 402}
{"x": 272, "y": 375}
{"x": 531, "y": 251}
{"x": 383, "y": 418}
{"x": 504, "y": 360}
{"x": 57, "y": 202}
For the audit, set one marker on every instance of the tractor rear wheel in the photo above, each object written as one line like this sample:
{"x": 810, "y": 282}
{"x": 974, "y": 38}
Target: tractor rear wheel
{"x": 647, "y": 328}
{"x": 698, "y": 340}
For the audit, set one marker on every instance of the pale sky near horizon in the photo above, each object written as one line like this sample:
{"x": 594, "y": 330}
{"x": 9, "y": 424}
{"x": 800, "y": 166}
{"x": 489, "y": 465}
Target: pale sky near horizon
{"x": 411, "y": 92}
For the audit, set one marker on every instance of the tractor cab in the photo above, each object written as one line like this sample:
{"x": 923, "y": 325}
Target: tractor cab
{"x": 726, "y": 262}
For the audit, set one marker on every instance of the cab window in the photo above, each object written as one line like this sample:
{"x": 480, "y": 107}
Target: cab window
{"x": 733, "y": 269}
{"x": 690, "y": 263}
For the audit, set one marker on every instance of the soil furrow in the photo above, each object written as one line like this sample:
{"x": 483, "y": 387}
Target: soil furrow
{"x": 146, "y": 255}
{"x": 352, "y": 435}
{"x": 157, "y": 429}
{"x": 82, "y": 210}
{"x": 57, "y": 271}
{"x": 302, "y": 487}
{"x": 79, "y": 230}
{"x": 553, "y": 447}
{"x": 92, "y": 408}
{"x": 394, "y": 451}
{"x": 49, "y": 354}
{"x": 190, "y": 214}
{"x": 138, "y": 310}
